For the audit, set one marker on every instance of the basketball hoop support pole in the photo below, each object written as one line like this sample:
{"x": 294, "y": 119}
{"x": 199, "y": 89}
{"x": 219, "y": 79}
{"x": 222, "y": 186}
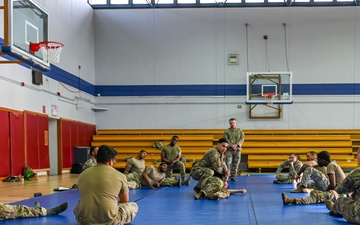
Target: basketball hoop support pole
{"x": 5, "y": 7}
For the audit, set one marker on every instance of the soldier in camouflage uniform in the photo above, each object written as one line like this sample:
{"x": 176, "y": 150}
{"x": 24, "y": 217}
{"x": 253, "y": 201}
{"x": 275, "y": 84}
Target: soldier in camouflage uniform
{"x": 294, "y": 166}
{"x": 152, "y": 177}
{"x": 215, "y": 188}
{"x": 104, "y": 193}
{"x": 335, "y": 176}
{"x": 211, "y": 164}
{"x": 321, "y": 180}
{"x": 22, "y": 211}
{"x": 348, "y": 207}
{"x": 92, "y": 161}
{"x": 235, "y": 138}
{"x": 171, "y": 155}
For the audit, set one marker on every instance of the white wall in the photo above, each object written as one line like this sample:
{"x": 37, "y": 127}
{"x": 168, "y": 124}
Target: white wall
{"x": 71, "y": 22}
{"x": 190, "y": 46}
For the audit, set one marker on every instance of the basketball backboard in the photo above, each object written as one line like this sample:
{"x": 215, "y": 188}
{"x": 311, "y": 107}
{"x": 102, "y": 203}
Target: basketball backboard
{"x": 261, "y": 85}
{"x": 27, "y": 22}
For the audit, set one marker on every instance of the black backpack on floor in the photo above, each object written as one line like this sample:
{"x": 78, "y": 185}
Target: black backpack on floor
{"x": 76, "y": 168}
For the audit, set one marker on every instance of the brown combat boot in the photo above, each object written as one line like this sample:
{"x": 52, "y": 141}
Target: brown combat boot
{"x": 300, "y": 189}
{"x": 287, "y": 200}
{"x": 329, "y": 204}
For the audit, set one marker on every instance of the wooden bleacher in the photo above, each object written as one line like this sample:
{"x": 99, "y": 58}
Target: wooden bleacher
{"x": 263, "y": 148}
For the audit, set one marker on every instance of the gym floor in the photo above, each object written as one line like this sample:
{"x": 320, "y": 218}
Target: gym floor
{"x": 262, "y": 204}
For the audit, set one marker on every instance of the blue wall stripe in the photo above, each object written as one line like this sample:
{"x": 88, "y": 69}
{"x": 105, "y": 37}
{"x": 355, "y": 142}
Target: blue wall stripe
{"x": 65, "y": 77}
{"x": 326, "y": 89}
{"x": 171, "y": 90}
{"x": 220, "y": 90}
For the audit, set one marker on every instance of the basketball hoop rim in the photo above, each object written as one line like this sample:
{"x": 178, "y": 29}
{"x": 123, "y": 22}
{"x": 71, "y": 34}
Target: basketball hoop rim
{"x": 269, "y": 95}
{"x": 34, "y": 47}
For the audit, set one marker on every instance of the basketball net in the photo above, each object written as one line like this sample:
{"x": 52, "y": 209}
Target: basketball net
{"x": 270, "y": 97}
{"x": 50, "y": 50}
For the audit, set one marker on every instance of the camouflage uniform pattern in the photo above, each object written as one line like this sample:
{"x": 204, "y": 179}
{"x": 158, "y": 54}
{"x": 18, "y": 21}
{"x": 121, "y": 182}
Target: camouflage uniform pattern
{"x": 127, "y": 212}
{"x": 321, "y": 181}
{"x": 170, "y": 182}
{"x": 205, "y": 167}
{"x": 89, "y": 163}
{"x": 349, "y": 207}
{"x": 233, "y": 158}
{"x": 288, "y": 178}
{"x": 317, "y": 196}
{"x": 134, "y": 181}
{"x": 351, "y": 184}
{"x": 20, "y": 211}
{"x": 171, "y": 153}
{"x": 212, "y": 187}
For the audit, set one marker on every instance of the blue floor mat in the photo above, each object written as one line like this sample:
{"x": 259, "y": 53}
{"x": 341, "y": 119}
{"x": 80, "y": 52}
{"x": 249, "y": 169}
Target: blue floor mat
{"x": 261, "y": 205}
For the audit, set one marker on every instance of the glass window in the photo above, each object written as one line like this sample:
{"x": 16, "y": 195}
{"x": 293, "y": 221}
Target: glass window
{"x": 165, "y": 1}
{"x": 254, "y": 1}
{"x": 119, "y": 2}
{"x": 302, "y": 1}
{"x": 186, "y": 1}
{"x": 141, "y": 2}
{"x": 275, "y": 0}
{"x": 233, "y": 1}
{"x": 97, "y": 2}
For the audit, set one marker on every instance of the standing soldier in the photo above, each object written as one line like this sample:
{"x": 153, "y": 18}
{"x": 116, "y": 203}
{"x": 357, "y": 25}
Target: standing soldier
{"x": 235, "y": 137}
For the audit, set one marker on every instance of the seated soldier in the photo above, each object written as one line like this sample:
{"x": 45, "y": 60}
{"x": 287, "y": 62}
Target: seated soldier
{"x": 104, "y": 194}
{"x": 325, "y": 184}
{"x": 310, "y": 166}
{"x": 92, "y": 161}
{"x": 348, "y": 206}
{"x": 171, "y": 155}
{"x": 294, "y": 165}
{"x": 136, "y": 164}
{"x": 212, "y": 162}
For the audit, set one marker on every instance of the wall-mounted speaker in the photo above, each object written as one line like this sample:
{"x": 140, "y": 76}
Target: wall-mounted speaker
{"x": 37, "y": 77}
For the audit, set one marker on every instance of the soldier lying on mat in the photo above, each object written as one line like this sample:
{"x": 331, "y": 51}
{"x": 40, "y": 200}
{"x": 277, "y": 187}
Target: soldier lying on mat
{"x": 216, "y": 187}
{"x": 154, "y": 178}
{"x": 8, "y": 212}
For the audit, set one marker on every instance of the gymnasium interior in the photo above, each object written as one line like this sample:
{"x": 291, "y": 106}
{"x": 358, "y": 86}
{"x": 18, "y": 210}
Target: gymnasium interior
{"x": 127, "y": 73}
